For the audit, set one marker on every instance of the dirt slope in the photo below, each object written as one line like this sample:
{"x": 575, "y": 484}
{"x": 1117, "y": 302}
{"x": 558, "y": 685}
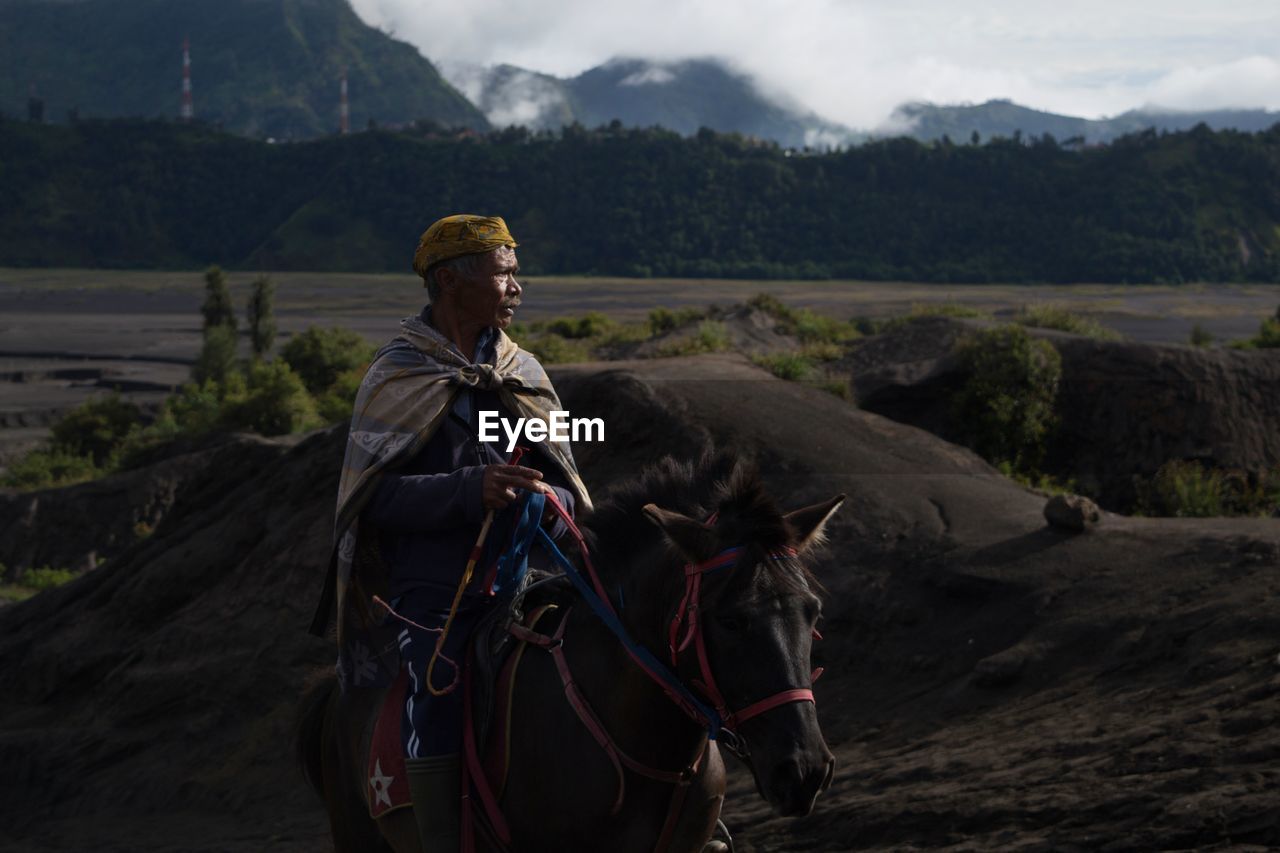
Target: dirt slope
{"x": 991, "y": 683}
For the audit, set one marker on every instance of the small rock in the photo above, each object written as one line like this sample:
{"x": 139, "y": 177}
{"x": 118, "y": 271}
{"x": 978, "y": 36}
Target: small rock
{"x": 1072, "y": 512}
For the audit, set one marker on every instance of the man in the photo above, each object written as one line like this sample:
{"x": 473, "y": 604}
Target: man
{"x": 417, "y": 485}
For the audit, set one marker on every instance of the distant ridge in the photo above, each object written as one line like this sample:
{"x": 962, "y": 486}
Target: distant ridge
{"x": 265, "y": 68}
{"x": 928, "y": 122}
{"x": 683, "y": 96}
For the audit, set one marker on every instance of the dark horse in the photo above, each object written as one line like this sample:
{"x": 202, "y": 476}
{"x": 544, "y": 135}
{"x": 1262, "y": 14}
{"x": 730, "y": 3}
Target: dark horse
{"x": 741, "y": 644}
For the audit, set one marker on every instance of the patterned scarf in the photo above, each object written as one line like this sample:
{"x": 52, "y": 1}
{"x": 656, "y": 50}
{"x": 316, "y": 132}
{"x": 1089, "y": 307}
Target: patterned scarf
{"x": 405, "y": 395}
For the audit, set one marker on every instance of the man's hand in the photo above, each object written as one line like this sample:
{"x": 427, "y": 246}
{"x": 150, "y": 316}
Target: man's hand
{"x": 499, "y": 484}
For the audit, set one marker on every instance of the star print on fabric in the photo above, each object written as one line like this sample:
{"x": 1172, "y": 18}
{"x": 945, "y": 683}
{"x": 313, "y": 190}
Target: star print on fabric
{"x": 381, "y": 785}
{"x": 364, "y": 667}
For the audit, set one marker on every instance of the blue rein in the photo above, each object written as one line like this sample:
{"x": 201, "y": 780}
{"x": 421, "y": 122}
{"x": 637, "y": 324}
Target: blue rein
{"x": 514, "y": 563}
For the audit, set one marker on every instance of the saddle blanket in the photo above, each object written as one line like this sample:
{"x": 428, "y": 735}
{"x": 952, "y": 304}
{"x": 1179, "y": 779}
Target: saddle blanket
{"x": 388, "y": 779}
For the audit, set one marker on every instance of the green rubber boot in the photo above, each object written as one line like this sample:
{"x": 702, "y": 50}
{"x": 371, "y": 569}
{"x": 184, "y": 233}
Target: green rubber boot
{"x": 435, "y": 785}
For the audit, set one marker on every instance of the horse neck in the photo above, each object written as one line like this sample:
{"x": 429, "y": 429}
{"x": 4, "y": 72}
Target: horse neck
{"x": 643, "y": 586}
{"x": 639, "y": 715}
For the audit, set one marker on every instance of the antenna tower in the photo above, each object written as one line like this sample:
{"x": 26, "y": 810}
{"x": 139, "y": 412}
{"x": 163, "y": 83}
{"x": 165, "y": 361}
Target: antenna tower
{"x": 344, "y": 109}
{"x": 188, "y": 112}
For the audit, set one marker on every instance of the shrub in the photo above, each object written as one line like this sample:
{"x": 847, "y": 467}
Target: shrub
{"x": 319, "y": 356}
{"x": 336, "y": 403}
{"x": 1005, "y": 406}
{"x": 274, "y": 401}
{"x": 1269, "y": 335}
{"x": 811, "y": 327}
{"x": 1050, "y": 316}
{"x": 96, "y": 428}
{"x": 786, "y": 365}
{"x": 46, "y": 578}
{"x": 1189, "y": 489}
{"x": 839, "y": 387}
{"x": 945, "y": 309}
{"x": 1200, "y": 336}
{"x": 1183, "y": 489}
{"x": 217, "y": 359}
{"x": 553, "y": 349}
{"x": 712, "y": 336}
{"x": 48, "y": 467}
{"x": 664, "y": 320}
{"x": 773, "y": 306}
{"x": 589, "y": 325}
{"x": 808, "y": 326}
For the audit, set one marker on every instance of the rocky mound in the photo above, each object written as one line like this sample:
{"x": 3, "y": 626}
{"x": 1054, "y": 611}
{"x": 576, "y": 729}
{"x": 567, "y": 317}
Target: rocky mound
{"x": 1125, "y": 408}
{"x": 992, "y": 683}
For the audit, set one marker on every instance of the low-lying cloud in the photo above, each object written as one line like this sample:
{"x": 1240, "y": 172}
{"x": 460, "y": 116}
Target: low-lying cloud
{"x": 855, "y": 62}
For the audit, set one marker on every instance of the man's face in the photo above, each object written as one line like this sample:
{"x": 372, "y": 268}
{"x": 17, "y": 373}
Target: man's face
{"x": 491, "y": 296}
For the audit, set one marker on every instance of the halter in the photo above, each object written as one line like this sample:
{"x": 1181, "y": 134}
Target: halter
{"x": 686, "y": 616}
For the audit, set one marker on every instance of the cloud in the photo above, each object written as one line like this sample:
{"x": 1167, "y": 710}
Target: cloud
{"x": 654, "y": 75}
{"x": 854, "y": 61}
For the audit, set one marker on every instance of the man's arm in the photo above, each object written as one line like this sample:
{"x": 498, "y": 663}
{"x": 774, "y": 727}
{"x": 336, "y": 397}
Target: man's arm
{"x": 421, "y": 503}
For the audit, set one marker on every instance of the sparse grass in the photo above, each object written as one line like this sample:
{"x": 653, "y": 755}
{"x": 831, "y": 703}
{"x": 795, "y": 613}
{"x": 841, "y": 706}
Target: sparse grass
{"x": 1200, "y": 336}
{"x": 786, "y": 365}
{"x": 809, "y": 326}
{"x": 838, "y": 387}
{"x": 711, "y": 336}
{"x": 551, "y": 348}
{"x": 822, "y": 352}
{"x": 33, "y": 581}
{"x": 922, "y": 310}
{"x": 1045, "y": 483}
{"x": 50, "y": 467}
{"x": 1049, "y": 315}
{"x": 663, "y": 320}
{"x": 1189, "y": 489}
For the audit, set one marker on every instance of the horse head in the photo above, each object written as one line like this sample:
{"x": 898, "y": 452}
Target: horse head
{"x": 742, "y": 633}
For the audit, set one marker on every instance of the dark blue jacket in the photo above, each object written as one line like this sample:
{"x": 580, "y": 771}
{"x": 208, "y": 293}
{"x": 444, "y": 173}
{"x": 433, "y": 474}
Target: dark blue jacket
{"x": 428, "y": 512}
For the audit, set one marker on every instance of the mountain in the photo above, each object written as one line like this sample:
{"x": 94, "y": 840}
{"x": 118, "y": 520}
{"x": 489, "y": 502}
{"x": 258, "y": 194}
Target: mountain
{"x": 683, "y": 96}
{"x": 929, "y": 122}
{"x": 259, "y": 67}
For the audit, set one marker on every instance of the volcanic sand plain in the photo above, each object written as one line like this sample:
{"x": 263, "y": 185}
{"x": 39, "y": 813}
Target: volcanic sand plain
{"x": 66, "y": 335}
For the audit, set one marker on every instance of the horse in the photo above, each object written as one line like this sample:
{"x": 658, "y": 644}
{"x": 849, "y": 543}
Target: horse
{"x": 703, "y": 571}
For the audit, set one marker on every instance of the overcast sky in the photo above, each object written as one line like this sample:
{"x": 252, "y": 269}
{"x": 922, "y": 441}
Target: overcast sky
{"x": 854, "y": 60}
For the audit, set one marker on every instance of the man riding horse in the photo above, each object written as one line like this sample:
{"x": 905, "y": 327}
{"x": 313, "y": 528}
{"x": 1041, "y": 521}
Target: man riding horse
{"x": 419, "y": 492}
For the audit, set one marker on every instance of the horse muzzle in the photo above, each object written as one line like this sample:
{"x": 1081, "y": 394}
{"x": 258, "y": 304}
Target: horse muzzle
{"x": 792, "y": 785}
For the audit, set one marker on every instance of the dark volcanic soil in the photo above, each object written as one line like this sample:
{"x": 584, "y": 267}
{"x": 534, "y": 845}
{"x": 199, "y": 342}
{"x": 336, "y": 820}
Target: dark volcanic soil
{"x": 991, "y": 683}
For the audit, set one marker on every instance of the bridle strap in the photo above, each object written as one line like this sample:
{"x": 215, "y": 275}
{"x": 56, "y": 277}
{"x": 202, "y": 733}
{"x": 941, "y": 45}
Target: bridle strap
{"x": 690, "y": 606}
{"x": 785, "y": 697}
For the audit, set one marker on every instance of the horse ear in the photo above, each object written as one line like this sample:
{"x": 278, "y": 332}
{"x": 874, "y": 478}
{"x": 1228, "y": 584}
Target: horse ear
{"x": 693, "y": 539}
{"x": 808, "y": 524}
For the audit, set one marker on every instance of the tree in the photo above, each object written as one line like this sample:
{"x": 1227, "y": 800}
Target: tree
{"x": 217, "y": 359}
{"x": 217, "y": 308}
{"x": 260, "y": 314}
{"x": 320, "y": 356}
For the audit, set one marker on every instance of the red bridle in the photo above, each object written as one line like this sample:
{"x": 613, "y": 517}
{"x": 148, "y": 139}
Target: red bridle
{"x": 689, "y": 608}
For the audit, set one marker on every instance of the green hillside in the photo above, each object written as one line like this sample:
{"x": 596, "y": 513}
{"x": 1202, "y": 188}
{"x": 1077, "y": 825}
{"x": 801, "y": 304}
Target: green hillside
{"x": 1200, "y": 205}
{"x": 259, "y": 67}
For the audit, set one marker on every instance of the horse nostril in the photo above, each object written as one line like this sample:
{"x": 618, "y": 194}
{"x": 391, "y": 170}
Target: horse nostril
{"x": 831, "y": 773}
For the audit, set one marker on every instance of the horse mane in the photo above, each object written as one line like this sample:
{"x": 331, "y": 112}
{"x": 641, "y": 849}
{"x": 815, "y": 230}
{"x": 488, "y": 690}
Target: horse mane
{"x": 719, "y": 483}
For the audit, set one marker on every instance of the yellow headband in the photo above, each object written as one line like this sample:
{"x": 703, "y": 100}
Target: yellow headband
{"x": 460, "y": 234}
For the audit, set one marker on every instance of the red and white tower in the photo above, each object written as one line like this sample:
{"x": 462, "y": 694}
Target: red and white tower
{"x": 344, "y": 109}
{"x": 188, "y": 112}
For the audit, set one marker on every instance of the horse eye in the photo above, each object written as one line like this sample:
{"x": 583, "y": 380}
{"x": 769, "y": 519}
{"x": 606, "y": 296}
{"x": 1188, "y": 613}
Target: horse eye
{"x": 733, "y": 624}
